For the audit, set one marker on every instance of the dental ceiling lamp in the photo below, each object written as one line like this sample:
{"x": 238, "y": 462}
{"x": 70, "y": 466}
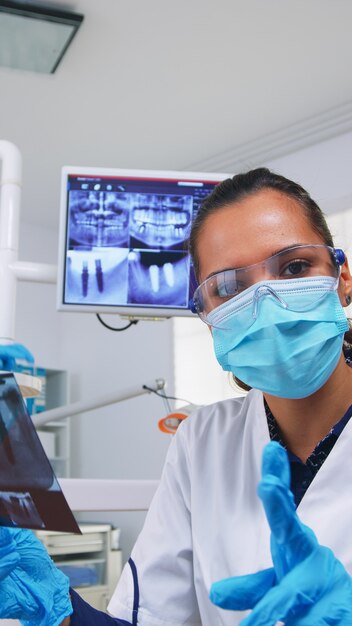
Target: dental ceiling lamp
{"x": 170, "y": 423}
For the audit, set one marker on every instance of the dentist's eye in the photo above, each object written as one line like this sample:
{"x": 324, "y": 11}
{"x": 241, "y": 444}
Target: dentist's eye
{"x": 295, "y": 268}
{"x": 224, "y": 290}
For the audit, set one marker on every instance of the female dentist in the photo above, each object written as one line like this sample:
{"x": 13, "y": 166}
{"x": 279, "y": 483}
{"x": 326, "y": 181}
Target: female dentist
{"x": 272, "y": 288}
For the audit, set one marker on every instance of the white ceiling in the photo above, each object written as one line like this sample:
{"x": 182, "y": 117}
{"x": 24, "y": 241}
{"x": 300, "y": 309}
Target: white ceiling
{"x": 180, "y": 84}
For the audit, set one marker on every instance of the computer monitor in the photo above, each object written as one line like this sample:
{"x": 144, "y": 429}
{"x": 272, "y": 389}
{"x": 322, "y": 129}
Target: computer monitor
{"x": 123, "y": 240}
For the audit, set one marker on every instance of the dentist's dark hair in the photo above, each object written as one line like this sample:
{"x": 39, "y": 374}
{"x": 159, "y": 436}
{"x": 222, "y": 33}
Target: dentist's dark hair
{"x": 242, "y": 185}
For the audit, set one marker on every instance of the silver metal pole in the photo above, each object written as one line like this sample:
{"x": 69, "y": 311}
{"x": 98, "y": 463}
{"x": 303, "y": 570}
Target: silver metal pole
{"x": 95, "y": 403}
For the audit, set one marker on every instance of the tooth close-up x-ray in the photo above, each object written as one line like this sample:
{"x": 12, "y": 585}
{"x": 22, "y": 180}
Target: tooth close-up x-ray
{"x": 158, "y": 278}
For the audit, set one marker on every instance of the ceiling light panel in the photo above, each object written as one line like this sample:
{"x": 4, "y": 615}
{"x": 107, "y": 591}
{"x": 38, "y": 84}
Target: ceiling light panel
{"x": 34, "y": 37}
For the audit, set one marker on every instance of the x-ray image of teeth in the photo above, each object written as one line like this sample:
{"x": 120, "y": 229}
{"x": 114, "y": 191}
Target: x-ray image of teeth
{"x": 158, "y": 278}
{"x": 97, "y": 276}
{"x": 20, "y": 509}
{"x": 98, "y": 218}
{"x": 30, "y": 495}
{"x": 160, "y": 220}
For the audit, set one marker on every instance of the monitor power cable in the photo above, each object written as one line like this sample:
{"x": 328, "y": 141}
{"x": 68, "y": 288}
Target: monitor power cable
{"x": 114, "y": 328}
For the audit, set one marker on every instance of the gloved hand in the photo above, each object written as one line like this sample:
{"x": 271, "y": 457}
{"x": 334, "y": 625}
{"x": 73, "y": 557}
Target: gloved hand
{"x": 12, "y": 351}
{"x": 32, "y": 589}
{"x": 308, "y": 585}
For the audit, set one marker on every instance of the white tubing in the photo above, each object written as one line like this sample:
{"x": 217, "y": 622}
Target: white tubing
{"x": 11, "y": 169}
{"x": 10, "y": 197}
{"x": 35, "y": 272}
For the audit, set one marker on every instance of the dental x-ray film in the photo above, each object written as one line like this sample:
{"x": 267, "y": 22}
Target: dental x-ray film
{"x": 30, "y": 495}
{"x": 124, "y": 240}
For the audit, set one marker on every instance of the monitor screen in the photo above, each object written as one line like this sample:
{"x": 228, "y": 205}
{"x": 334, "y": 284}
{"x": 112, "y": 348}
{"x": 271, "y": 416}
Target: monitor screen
{"x": 123, "y": 240}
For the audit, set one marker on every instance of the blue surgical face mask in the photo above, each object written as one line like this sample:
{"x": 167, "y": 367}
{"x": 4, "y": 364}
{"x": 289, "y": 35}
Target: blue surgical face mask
{"x": 283, "y": 337}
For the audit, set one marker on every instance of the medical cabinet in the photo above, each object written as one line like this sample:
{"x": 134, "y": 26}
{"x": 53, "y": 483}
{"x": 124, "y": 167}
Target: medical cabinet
{"x": 91, "y": 560}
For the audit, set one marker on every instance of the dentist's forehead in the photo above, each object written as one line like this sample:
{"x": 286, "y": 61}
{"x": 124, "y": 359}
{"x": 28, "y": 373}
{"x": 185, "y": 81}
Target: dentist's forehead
{"x": 251, "y": 230}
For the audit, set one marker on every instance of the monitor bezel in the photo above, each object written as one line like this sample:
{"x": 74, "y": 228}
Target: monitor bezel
{"x": 126, "y": 311}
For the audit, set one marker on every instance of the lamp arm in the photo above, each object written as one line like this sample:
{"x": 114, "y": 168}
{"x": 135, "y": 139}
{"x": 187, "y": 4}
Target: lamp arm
{"x": 89, "y": 405}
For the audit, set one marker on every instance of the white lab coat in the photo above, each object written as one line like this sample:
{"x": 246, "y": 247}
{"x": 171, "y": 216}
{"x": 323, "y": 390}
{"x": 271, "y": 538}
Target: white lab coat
{"x": 206, "y": 521}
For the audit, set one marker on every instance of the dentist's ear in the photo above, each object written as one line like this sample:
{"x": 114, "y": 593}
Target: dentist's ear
{"x": 345, "y": 285}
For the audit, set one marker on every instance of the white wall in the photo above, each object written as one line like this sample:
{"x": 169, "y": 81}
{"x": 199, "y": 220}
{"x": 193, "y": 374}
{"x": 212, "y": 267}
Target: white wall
{"x": 324, "y": 170}
{"x": 198, "y": 376}
{"x": 340, "y": 224}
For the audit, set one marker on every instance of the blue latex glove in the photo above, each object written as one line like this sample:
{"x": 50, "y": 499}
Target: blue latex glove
{"x": 307, "y": 586}
{"x": 10, "y": 352}
{"x": 32, "y": 589}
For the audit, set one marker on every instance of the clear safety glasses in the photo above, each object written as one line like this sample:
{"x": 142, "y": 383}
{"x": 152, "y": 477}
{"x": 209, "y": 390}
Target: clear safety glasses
{"x": 292, "y": 263}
